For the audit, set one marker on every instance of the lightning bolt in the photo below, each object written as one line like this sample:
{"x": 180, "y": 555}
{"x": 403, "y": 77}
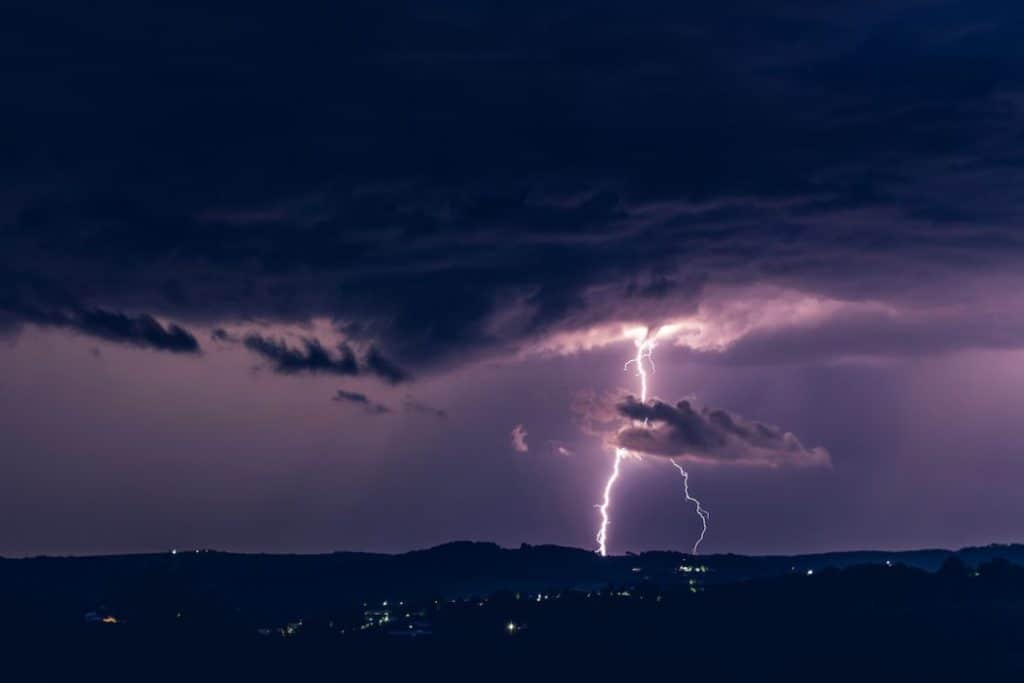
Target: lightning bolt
{"x": 644, "y": 347}
{"x": 602, "y": 532}
{"x": 644, "y": 352}
{"x": 701, "y": 512}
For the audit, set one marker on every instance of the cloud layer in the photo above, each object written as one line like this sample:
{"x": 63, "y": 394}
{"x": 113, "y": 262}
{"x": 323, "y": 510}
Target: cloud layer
{"x": 503, "y": 182}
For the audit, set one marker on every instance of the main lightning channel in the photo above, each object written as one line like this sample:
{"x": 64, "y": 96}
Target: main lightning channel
{"x": 644, "y": 347}
{"x": 602, "y": 532}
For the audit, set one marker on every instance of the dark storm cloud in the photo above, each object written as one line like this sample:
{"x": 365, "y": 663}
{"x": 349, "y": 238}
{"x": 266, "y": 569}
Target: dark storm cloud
{"x": 312, "y": 357}
{"x": 490, "y": 174}
{"x": 362, "y": 400}
{"x": 141, "y": 330}
{"x": 698, "y": 433}
{"x": 29, "y": 299}
{"x": 383, "y": 368}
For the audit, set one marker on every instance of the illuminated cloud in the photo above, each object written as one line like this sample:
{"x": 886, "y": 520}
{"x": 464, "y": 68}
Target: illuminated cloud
{"x": 721, "y": 318}
{"x": 705, "y": 435}
{"x": 518, "y": 437}
{"x": 596, "y": 413}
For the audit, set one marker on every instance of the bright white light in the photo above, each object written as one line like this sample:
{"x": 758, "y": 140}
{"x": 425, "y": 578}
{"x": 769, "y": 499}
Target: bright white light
{"x": 602, "y": 532}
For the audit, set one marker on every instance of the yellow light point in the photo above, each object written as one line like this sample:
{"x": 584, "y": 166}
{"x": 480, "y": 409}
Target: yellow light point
{"x": 109, "y": 620}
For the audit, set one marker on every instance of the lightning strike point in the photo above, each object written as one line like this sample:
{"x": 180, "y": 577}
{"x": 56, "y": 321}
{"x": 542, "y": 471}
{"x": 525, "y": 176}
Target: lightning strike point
{"x": 701, "y": 512}
{"x": 602, "y": 532}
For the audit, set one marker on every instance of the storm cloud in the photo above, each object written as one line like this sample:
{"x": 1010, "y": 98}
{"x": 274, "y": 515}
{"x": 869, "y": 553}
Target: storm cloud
{"x": 312, "y": 357}
{"x": 26, "y": 298}
{"x": 496, "y": 187}
{"x": 706, "y": 435}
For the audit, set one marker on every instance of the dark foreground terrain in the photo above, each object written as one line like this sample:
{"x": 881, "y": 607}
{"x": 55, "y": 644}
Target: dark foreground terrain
{"x": 476, "y": 611}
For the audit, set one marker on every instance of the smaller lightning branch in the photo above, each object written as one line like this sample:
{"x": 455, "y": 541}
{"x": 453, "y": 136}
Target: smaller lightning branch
{"x": 701, "y": 512}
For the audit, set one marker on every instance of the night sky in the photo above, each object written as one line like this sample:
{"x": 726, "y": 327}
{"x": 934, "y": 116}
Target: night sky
{"x": 365, "y": 277}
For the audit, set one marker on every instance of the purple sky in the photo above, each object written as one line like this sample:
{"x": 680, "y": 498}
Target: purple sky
{"x": 278, "y": 280}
